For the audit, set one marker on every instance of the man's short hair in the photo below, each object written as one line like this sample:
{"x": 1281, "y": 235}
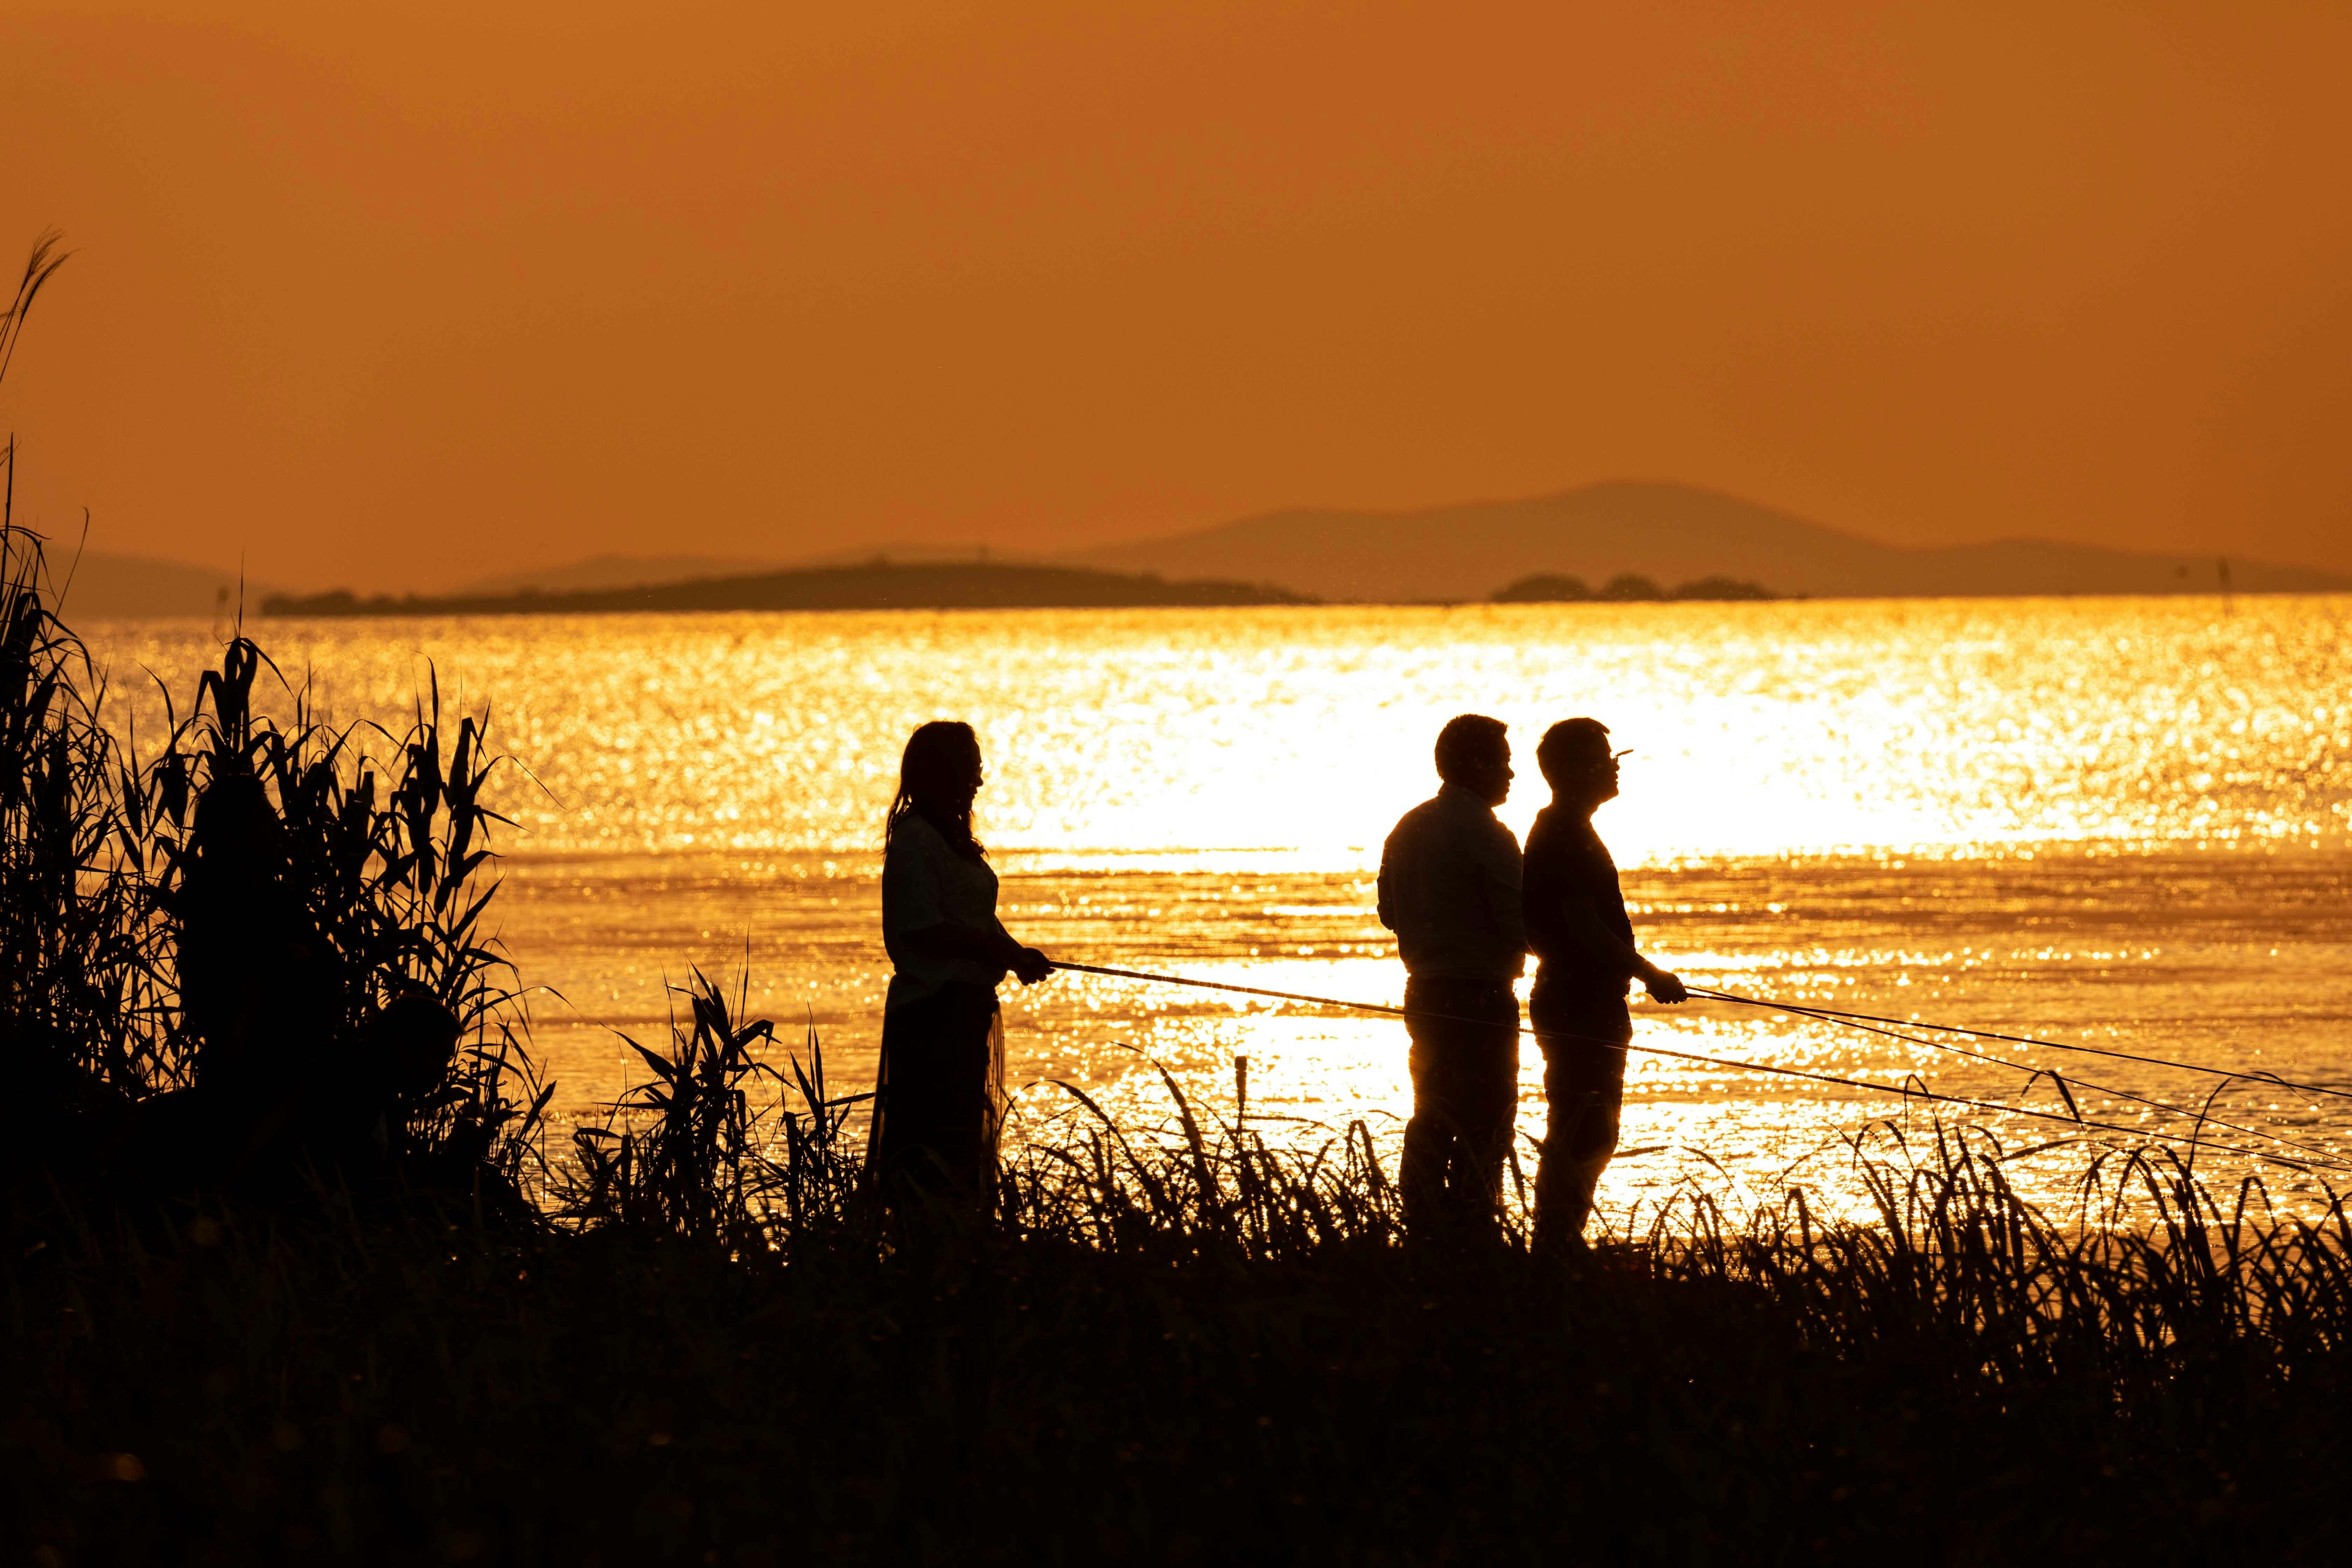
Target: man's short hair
{"x": 1571, "y": 746}
{"x": 1467, "y": 741}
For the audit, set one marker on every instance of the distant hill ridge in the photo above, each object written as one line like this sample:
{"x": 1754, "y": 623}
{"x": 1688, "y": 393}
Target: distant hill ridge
{"x": 1599, "y": 533}
{"x": 875, "y": 585}
{"x": 1668, "y": 532}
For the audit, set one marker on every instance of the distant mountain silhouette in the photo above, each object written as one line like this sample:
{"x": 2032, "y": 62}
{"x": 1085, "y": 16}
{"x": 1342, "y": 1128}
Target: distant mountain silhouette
{"x": 103, "y": 587}
{"x": 936, "y": 585}
{"x": 1668, "y": 532}
{"x": 910, "y": 552}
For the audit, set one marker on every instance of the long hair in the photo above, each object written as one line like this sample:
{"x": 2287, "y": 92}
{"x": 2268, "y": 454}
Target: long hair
{"x": 939, "y": 758}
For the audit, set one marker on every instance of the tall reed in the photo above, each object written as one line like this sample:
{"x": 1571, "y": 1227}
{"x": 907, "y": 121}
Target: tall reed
{"x": 390, "y": 858}
{"x": 387, "y": 860}
{"x": 82, "y": 998}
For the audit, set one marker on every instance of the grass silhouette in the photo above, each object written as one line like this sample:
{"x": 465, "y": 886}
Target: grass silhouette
{"x": 376, "y": 850}
{"x": 1174, "y": 1343}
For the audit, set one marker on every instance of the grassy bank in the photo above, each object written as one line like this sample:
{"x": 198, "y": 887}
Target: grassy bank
{"x": 1167, "y": 1344}
{"x": 1167, "y": 1355}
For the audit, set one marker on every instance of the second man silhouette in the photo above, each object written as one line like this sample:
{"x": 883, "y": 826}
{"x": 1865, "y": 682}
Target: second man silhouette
{"x": 1583, "y": 941}
{"x": 1450, "y": 889}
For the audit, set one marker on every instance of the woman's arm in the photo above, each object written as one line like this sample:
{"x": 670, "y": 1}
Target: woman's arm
{"x": 986, "y": 945}
{"x": 1028, "y": 965}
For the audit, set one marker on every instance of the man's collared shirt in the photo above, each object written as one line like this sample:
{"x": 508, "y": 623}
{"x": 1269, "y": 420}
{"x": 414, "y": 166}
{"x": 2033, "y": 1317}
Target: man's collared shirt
{"x": 1450, "y": 890}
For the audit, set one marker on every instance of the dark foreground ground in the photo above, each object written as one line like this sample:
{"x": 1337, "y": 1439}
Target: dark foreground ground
{"x": 238, "y": 1389}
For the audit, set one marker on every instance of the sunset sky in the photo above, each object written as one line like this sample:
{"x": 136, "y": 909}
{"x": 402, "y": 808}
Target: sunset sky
{"x": 394, "y": 296}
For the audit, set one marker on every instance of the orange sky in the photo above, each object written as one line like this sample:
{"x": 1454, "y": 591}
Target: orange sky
{"x": 393, "y": 296}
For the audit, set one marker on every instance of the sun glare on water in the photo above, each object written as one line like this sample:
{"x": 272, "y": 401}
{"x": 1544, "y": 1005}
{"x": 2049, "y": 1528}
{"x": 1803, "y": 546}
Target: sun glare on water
{"x": 2120, "y": 820}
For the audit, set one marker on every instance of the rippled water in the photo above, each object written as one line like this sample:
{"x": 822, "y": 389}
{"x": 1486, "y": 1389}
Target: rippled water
{"x": 2120, "y": 822}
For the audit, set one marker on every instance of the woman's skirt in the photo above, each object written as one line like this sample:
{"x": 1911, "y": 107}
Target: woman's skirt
{"x": 939, "y": 1097}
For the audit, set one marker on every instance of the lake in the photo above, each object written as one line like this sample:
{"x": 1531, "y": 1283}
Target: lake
{"x": 2117, "y": 822}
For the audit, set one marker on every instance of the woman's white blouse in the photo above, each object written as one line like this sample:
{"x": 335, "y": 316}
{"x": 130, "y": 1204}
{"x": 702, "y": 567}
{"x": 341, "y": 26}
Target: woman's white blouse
{"x": 924, "y": 883}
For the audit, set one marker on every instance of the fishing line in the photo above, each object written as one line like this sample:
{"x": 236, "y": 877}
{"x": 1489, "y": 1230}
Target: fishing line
{"x": 1832, "y": 1013}
{"x": 2204, "y": 1118}
{"x": 1906, "y": 1091}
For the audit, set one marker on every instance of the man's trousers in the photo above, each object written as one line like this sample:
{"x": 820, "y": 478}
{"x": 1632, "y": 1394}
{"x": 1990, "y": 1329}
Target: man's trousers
{"x": 1583, "y": 1033}
{"x": 1465, "y": 1091}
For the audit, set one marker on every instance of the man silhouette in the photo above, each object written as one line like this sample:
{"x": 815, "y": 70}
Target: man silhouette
{"x": 1583, "y": 942}
{"x": 1450, "y": 890}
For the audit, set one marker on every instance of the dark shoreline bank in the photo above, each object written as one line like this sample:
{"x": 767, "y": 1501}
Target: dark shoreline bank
{"x": 952, "y": 585}
{"x": 342, "y": 605}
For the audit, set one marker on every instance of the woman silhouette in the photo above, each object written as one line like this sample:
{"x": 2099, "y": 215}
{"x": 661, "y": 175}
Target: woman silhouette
{"x": 939, "y": 1087}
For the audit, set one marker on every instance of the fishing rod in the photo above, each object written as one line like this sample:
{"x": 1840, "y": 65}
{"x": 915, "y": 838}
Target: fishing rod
{"x": 1906, "y": 1091}
{"x": 1834, "y": 1015}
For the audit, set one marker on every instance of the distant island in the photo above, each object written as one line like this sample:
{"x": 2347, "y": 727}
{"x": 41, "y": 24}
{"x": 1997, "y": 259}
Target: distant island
{"x": 875, "y": 585}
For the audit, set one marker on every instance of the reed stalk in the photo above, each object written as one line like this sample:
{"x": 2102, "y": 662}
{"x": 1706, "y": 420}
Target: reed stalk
{"x": 382, "y": 861}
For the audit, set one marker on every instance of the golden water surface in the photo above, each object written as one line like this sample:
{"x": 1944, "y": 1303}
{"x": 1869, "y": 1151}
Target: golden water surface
{"x": 2107, "y": 821}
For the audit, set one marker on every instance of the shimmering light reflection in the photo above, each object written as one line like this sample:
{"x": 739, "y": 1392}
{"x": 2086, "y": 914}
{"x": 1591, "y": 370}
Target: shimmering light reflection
{"x": 2119, "y": 822}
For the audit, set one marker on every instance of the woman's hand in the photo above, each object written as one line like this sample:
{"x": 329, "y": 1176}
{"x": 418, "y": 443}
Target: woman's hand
{"x": 991, "y": 947}
{"x": 1664, "y": 986}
